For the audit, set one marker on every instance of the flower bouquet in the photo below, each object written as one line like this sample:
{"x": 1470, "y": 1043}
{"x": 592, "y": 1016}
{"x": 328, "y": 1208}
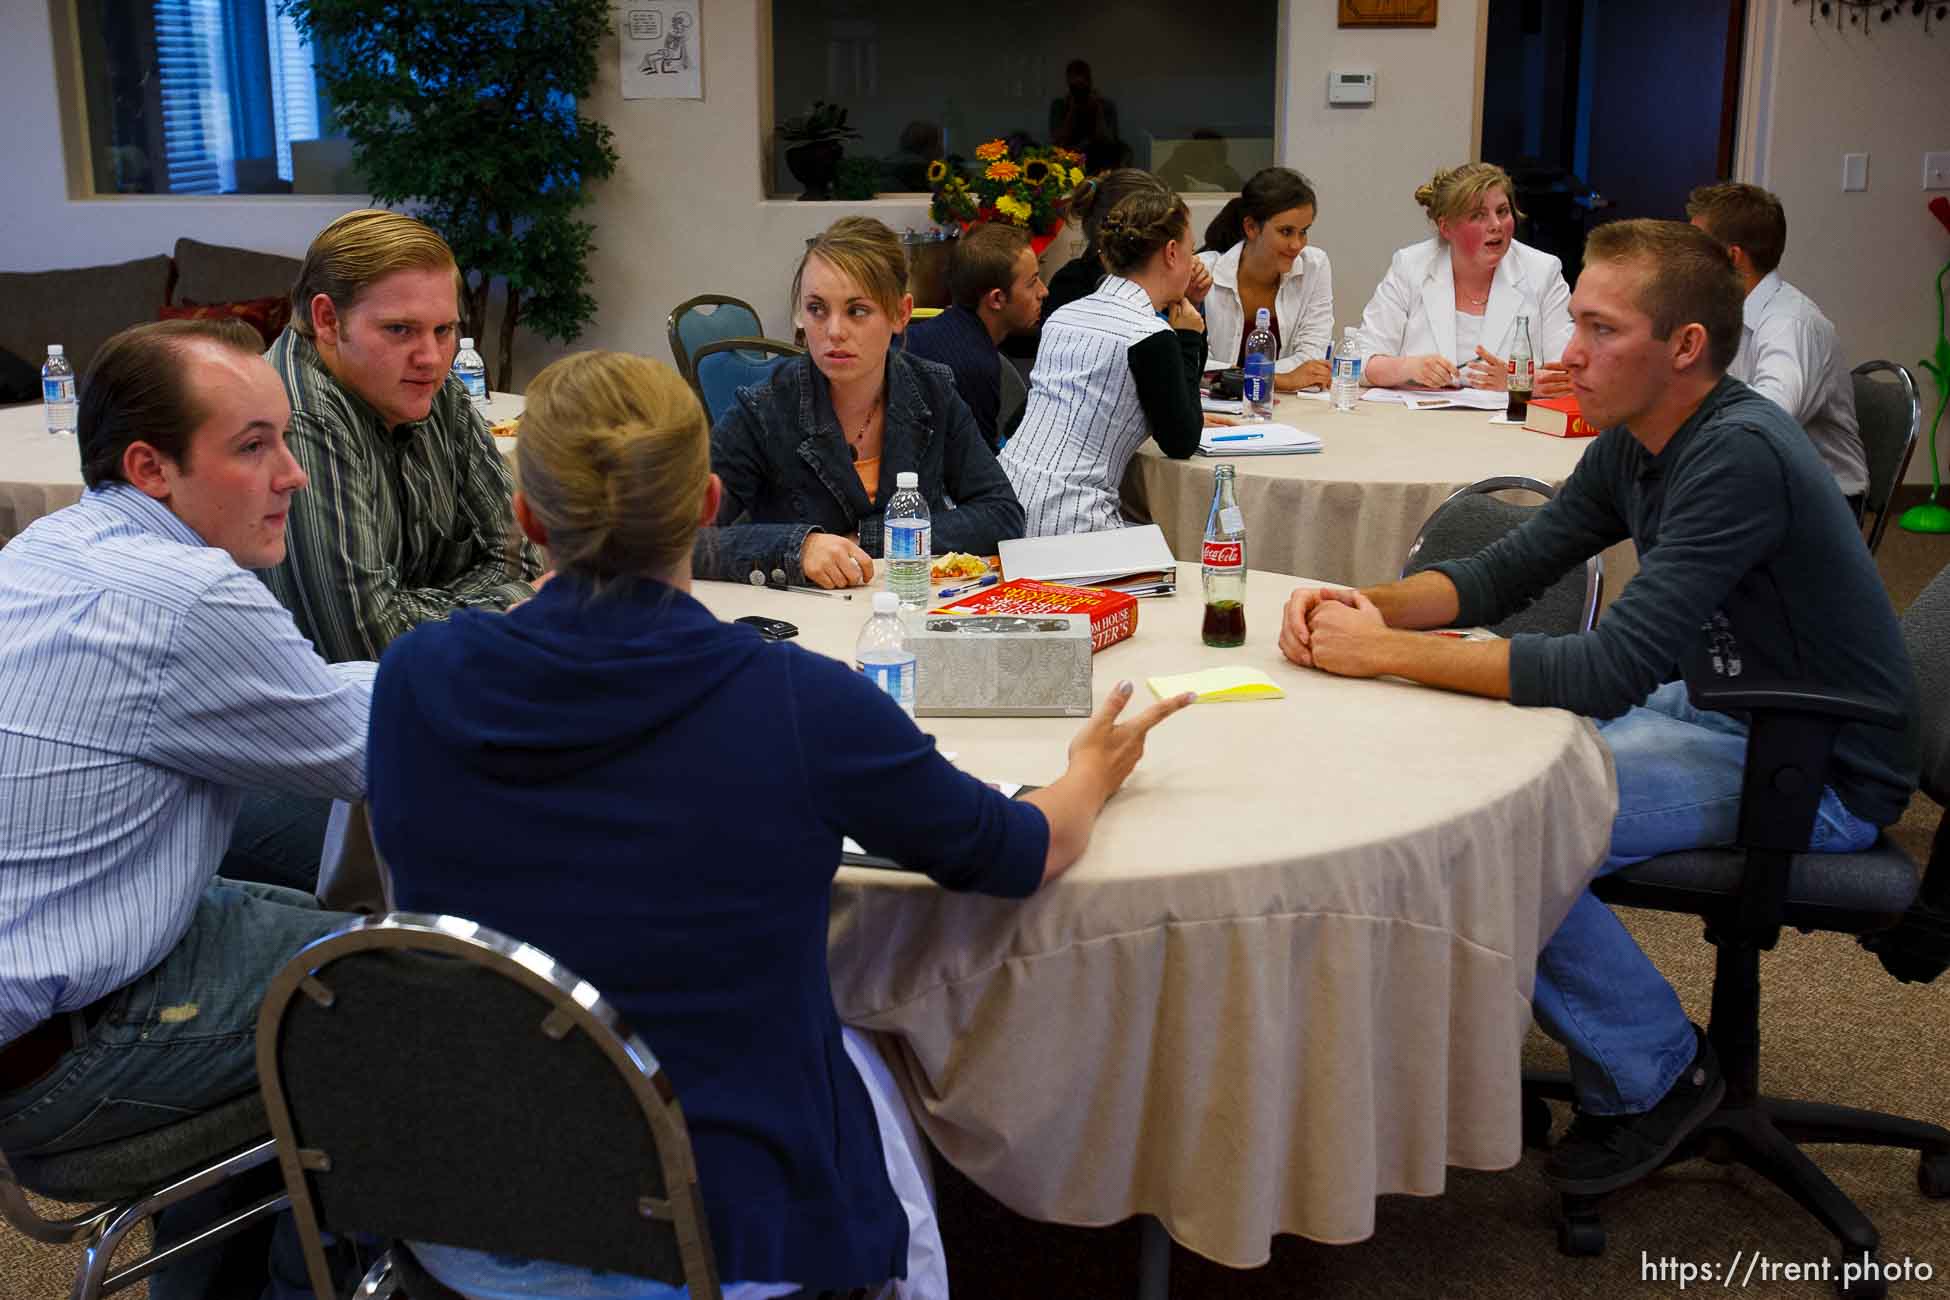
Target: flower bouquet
{"x": 1031, "y": 190}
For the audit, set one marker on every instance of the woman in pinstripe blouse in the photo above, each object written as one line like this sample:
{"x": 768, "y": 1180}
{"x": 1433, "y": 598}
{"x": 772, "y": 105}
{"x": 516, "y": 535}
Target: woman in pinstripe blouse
{"x": 1115, "y": 368}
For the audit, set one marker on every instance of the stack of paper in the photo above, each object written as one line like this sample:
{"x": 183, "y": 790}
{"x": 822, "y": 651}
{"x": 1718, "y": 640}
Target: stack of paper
{"x": 1436, "y": 399}
{"x": 1137, "y": 560}
{"x": 1215, "y": 684}
{"x": 1257, "y": 440}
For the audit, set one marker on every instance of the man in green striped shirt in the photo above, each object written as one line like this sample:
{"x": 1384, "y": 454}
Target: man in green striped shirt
{"x": 408, "y": 516}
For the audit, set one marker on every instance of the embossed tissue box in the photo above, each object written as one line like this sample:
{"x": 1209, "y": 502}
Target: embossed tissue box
{"x": 1001, "y": 666}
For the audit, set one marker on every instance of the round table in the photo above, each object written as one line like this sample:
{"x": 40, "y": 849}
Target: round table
{"x": 41, "y": 473}
{"x": 1350, "y": 512}
{"x": 1289, "y": 975}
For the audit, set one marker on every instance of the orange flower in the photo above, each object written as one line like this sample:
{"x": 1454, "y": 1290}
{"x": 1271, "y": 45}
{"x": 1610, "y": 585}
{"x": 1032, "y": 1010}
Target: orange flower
{"x": 1003, "y": 171}
{"x": 991, "y": 151}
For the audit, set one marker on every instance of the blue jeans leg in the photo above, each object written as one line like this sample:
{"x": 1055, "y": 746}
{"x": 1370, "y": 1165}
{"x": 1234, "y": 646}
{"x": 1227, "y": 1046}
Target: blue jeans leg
{"x": 1679, "y": 774}
{"x": 180, "y": 1039}
{"x": 278, "y": 840}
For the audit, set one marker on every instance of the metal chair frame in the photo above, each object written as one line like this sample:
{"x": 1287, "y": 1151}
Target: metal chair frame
{"x": 1594, "y": 567}
{"x": 103, "y": 1229}
{"x": 575, "y": 1006}
{"x": 1908, "y": 382}
{"x": 686, "y": 363}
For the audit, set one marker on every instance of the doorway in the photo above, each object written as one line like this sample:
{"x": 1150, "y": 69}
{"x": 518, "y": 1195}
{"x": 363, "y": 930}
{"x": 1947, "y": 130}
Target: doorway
{"x": 1606, "y": 109}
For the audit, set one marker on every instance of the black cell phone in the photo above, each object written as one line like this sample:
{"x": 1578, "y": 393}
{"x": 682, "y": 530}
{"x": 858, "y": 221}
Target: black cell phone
{"x": 772, "y": 629}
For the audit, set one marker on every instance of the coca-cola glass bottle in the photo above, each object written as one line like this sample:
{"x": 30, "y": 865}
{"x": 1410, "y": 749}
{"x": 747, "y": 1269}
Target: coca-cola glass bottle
{"x": 1522, "y": 371}
{"x": 1222, "y": 564}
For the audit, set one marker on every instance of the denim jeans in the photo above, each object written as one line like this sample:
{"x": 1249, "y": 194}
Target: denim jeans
{"x": 1679, "y": 773}
{"x": 277, "y": 840}
{"x": 179, "y": 1040}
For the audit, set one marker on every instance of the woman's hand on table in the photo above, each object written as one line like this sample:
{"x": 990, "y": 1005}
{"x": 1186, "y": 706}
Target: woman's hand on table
{"x": 1487, "y": 371}
{"x": 1296, "y": 635}
{"x": 1553, "y": 380}
{"x": 1431, "y": 370}
{"x": 1183, "y": 316}
{"x": 1102, "y": 755}
{"x": 828, "y": 560}
{"x": 1213, "y": 420}
{"x": 1309, "y": 374}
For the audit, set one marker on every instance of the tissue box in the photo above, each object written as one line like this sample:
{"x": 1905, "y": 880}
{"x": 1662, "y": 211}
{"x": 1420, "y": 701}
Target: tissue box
{"x": 1001, "y": 666}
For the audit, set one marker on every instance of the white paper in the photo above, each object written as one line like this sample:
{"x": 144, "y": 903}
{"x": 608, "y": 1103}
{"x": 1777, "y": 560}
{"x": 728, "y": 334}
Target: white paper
{"x": 1257, "y": 440}
{"x": 663, "y": 50}
{"x": 1474, "y": 399}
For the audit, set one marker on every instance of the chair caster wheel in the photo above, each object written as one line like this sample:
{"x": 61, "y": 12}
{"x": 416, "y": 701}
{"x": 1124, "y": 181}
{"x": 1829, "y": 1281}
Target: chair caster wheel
{"x": 1581, "y": 1238}
{"x": 1933, "y": 1175}
{"x": 1536, "y": 1122}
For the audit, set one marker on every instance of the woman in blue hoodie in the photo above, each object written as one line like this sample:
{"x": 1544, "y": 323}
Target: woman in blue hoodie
{"x": 665, "y": 796}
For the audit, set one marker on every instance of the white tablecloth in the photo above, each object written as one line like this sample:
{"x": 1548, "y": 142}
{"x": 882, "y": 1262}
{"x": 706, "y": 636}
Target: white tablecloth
{"x": 1289, "y": 975}
{"x": 1350, "y": 512}
{"x": 40, "y": 474}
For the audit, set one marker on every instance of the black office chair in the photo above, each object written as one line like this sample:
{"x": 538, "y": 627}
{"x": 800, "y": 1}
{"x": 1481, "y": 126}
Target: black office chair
{"x": 132, "y": 1180}
{"x": 704, "y": 319}
{"x": 1471, "y": 519}
{"x": 429, "y": 1079}
{"x": 1746, "y": 894}
{"x": 1889, "y": 414}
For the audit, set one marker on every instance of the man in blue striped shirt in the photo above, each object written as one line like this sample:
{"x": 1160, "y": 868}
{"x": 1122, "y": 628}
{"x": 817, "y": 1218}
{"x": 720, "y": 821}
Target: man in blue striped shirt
{"x": 147, "y": 679}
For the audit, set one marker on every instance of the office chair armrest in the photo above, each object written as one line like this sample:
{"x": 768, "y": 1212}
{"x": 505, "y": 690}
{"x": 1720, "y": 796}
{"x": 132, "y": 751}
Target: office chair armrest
{"x": 1786, "y": 697}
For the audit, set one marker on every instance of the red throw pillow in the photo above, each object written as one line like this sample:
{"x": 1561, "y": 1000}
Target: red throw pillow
{"x": 267, "y": 316}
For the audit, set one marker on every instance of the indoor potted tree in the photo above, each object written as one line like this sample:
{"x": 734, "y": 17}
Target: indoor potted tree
{"x": 815, "y": 142}
{"x": 467, "y": 114}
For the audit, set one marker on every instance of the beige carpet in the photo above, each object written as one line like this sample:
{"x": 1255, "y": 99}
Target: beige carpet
{"x": 1835, "y": 1028}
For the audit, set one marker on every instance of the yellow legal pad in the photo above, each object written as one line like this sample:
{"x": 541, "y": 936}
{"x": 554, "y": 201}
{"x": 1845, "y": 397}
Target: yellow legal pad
{"x": 1218, "y": 684}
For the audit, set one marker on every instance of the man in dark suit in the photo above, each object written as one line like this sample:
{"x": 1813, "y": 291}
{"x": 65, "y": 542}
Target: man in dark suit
{"x": 997, "y": 291}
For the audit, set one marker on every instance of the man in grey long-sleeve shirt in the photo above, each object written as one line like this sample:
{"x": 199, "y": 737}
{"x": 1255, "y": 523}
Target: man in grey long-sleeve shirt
{"x": 1751, "y": 565}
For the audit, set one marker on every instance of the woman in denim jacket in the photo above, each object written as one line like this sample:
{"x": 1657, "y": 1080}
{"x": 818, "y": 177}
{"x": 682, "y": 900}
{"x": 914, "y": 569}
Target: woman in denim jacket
{"x": 810, "y": 458}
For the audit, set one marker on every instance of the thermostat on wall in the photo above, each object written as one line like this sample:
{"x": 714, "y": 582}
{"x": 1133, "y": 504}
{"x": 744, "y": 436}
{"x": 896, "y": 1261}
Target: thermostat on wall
{"x": 1350, "y": 87}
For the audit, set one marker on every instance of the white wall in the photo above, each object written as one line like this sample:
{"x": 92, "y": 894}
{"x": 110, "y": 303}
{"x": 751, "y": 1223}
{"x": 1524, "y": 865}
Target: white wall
{"x": 1870, "y": 259}
{"x": 685, "y": 212}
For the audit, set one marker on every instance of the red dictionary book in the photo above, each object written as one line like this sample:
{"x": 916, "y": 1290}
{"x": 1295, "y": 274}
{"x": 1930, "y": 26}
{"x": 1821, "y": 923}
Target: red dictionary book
{"x": 1113, "y": 614}
{"x": 1557, "y": 416}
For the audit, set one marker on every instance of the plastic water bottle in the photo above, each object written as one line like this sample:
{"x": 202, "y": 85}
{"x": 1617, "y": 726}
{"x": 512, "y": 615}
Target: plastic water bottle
{"x": 1259, "y": 368}
{"x": 1347, "y": 371}
{"x": 909, "y": 537}
{"x": 473, "y": 373}
{"x": 882, "y": 654}
{"x": 57, "y": 390}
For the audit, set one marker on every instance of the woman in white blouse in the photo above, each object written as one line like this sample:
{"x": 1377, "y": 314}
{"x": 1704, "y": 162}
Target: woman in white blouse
{"x": 1446, "y": 306}
{"x": 1257, "y": 252}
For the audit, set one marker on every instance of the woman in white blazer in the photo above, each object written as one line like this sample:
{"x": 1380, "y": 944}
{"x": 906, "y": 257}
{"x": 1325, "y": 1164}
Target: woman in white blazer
{"x": 1257, "y": 252}
{"x": 1444, "y": 311}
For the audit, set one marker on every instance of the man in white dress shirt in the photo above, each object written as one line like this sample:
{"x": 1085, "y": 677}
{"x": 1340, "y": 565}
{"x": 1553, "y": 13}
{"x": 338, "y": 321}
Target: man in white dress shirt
{"x": 1788, "y": 350}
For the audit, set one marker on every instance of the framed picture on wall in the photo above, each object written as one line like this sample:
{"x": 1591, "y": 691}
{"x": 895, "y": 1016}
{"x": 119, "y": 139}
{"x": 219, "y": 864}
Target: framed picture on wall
{"x": 1388, "y": 13}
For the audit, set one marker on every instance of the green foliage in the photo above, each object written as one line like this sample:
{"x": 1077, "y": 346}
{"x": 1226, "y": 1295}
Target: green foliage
{"x": 858, "y": 178}
{"x": 466, "y": 111}
{"x": 823, "y": 121}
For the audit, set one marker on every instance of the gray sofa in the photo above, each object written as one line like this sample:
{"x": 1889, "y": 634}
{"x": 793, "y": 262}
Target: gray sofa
{"x": 81, "y": 307}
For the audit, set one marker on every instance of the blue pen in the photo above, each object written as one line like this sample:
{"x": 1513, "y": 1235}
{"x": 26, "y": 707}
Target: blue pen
{"x": 1235, "y": 437}
{"x": 946, "y": 592}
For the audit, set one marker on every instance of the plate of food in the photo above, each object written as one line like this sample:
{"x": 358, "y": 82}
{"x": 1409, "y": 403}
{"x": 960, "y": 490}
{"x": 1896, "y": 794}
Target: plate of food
{"x": 959, "y": 566}
{"x": 505, "y": 428}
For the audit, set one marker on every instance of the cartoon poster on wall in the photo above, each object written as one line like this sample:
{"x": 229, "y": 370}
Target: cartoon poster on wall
{"x": 663, "y": 50}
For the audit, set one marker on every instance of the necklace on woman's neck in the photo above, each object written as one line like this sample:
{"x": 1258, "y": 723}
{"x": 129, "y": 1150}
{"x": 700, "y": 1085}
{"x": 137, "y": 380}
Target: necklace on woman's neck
{"x": 856, "y": 442}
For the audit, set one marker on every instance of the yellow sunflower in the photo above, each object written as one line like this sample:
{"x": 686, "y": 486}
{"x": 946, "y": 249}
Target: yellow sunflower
{"x": 991, "y": 151}
{"x": 1013, "y": 208}
{"x": 937, "y": 172}
{"x": 1035, "y": 171}
{"x": 1076, "y": 175}
{"x": 1003, "y": 170}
